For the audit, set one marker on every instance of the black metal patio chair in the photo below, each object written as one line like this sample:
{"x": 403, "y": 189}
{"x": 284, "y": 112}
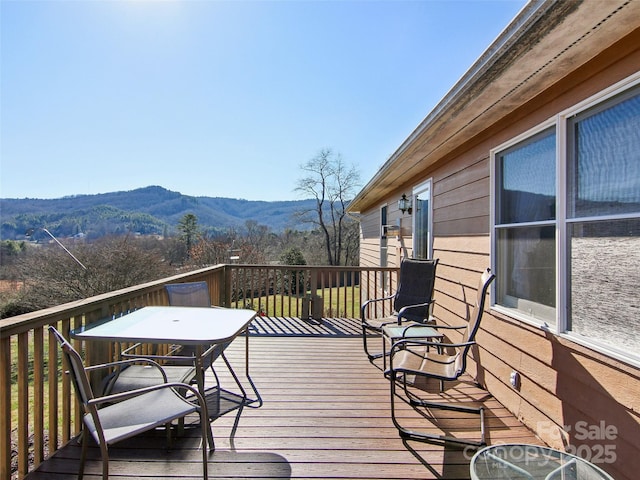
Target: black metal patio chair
{"x": 411, "y": 302}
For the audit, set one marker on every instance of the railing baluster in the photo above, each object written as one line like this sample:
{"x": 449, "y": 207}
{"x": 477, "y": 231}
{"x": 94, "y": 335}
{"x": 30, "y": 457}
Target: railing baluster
{"x": 5, "y": 407}
{"x": 272, "y": 288}
{"x": 54, "y": 380}
{"x": 66, "y": 393}
{"x": 56, "y": 417}
{"x": 38, "y": 397}
{"x": 23, "y": 404}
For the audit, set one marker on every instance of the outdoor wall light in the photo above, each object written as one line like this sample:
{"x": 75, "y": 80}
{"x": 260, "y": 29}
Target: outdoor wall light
{"x": 404, "y": 204}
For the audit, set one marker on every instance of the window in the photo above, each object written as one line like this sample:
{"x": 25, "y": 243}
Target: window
{"x": 525, "y": 226}
{"x": 422, "y": 221}
{"x": 384, "y": 276}
{"x": 566, "y": 222}
{"x": 603, "y": 208}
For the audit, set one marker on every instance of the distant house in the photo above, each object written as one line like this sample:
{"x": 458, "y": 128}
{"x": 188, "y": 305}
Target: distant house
{"x": 531, "y": 165}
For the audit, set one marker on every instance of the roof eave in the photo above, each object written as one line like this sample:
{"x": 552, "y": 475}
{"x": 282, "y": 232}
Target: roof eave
{"x": 523, "y": 59}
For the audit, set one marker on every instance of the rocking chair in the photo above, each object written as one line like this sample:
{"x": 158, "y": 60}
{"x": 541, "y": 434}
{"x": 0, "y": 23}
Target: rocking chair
{"x": 414, "y": 358}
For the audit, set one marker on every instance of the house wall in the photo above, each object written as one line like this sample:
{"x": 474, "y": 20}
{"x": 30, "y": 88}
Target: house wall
{"x": 370, "y": 238}
{"x": 563, "y": 385}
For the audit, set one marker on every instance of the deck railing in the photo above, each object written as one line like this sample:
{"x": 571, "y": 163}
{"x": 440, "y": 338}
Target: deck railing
{"x": 37, "y": 413}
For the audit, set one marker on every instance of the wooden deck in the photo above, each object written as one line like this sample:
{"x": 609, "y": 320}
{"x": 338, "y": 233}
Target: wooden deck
{"x": 325, "y": 416}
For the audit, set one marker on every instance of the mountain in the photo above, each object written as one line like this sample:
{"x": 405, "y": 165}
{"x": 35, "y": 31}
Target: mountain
{"x": 149, "y": 210}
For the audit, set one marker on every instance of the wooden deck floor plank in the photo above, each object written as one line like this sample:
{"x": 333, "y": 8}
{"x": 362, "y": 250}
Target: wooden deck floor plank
{"x": 319, "y": 454}
{"x": 325, "y": 416}
{"x": 268, "y": 465}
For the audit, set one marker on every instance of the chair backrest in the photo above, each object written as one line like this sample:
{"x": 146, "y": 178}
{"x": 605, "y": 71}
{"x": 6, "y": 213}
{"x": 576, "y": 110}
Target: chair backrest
{"x": 74, "y": 362}
{"x": 415, "y": 285}
{"x": 191, "y": 294}
{"x": 474, "y": 320}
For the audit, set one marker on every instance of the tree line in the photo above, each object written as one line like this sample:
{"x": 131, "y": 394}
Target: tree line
{"x": 46, "y": 275}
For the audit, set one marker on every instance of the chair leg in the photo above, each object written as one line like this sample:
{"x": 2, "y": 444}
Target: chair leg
{"x": 426, "y": 437}
{"x": 167, "y": 427}
{"x": 208, "y": 444}
{"x": 83, "y": 454}
{"x": 104, "y": 452}
{"x": 235, "y": 376}
{"x": 249, "y": 402}
{"x": 370, "y": 356}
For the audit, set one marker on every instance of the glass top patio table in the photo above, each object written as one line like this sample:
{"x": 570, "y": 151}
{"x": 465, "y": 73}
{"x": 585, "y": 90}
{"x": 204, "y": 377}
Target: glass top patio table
{"x": 531, "y": 462}
{"x": 182, "y": 325}
{"x": 199, "y": 326}
{"x": 393, "y": 332}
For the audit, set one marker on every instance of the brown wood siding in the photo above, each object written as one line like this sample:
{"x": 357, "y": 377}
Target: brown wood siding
{"x": 562, "y": 382}
{"x": 370, "y": 224}
{"x": 370, "y": 239}
{"x": 461, "y": 196}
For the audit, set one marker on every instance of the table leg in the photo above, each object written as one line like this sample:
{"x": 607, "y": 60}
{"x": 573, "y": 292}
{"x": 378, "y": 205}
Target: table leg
{"x": 258, "y": 398}
{"x": 200, "y": 384}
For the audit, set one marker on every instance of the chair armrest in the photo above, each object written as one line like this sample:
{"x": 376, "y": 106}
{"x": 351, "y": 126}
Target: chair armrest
{"x": 210, "y": 353}
{"x": 182, "y": 358}
{"x": 412, "y": 342}
{"x": 126, "y": 353}
{"x": 372, "y": 300}
{"x": 127, "y": 362}
{"x": 116, "y": 397}
{"x": 215, "y": 350}
{"x": 404, "y": 309}
{"x": 171, "y": 356}
{"x": 449, "y": 327}
{"x": 106, "y": 381}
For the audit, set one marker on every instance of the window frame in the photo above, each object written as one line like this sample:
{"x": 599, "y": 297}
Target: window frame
{"x": 421, "y": 188}
{"x": 563, "y": 224}
{"x": 529, "y": 134}
{"x": 384, "y": 248}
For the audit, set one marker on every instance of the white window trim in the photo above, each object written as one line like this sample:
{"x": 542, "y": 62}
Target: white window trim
{"x": 381, "y": 223}
{"x": 512, "y": 312}
{"x": 418, "y": 189}
{"x": 385, "y": 284}
{"x": 561, "y": 225}
{"x": 601, "y": 96}
{"x": 560, "y": 121}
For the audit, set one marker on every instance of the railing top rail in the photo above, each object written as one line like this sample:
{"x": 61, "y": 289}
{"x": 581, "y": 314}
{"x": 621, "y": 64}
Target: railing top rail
{"x": 28, "y": 321}
{"x": 313, "y": 267}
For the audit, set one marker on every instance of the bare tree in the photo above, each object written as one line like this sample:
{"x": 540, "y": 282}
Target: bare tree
{"x": 51, "y": 277}
{"x": 332, "y": 184}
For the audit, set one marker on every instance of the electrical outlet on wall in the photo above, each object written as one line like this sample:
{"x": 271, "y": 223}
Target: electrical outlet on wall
{"x": 514, "y": 379}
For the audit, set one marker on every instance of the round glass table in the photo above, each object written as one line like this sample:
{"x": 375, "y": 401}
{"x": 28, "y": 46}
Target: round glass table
{"x": 531, "y": 462}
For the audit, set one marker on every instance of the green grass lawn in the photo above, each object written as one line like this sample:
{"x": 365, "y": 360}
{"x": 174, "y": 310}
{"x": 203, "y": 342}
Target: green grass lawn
{"x": 337, "y": 302}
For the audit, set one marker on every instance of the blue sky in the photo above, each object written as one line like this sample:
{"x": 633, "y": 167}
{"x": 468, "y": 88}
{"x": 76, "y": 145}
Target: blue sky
{"x": 221, "y": 98}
